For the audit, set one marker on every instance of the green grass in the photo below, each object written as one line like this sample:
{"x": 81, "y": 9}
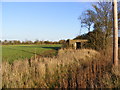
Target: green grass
{"x": 19, "y": 52}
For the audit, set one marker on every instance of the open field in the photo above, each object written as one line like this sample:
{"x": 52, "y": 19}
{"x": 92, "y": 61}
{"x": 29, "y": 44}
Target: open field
{"x": 16, "y": 52}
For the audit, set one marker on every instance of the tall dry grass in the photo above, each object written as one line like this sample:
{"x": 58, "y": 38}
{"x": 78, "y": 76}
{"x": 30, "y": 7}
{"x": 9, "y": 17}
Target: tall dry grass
{"x": 70, "y": 69}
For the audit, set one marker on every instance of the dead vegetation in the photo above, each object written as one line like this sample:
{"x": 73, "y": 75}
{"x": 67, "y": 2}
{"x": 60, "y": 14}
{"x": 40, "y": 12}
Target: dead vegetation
{"x": 83, "y": 68}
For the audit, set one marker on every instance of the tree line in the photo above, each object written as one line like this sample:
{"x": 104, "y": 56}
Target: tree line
{"x": 17, "y": 42}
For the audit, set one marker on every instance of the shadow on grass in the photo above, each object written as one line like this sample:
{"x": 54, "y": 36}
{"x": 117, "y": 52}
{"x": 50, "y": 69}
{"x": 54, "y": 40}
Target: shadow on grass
{"x": 26, "y": 51}
{"x": 54, "y": 48}
{"x": 47, "y": 53}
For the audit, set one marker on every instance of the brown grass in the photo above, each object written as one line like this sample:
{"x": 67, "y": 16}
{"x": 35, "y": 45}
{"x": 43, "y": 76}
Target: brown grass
{"x": 70, "y": 69}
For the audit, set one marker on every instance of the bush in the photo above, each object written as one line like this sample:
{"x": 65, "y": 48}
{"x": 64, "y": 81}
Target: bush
{"x": 96, "y": 40}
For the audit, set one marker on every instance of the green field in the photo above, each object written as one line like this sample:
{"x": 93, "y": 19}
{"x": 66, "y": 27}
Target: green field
{"x": 19, "y": 52}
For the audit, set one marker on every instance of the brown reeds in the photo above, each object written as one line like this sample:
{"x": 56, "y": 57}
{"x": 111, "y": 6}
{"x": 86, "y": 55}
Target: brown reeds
{"x": 70, "y": 69}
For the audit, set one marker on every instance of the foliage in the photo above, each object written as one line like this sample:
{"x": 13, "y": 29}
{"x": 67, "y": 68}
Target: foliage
{"x": 101, "y": 18}
{"x": 95, "y": 40}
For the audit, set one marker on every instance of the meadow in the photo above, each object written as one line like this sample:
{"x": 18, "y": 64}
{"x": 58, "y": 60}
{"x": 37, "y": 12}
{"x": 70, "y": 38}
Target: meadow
{"x": 11, "y": 53}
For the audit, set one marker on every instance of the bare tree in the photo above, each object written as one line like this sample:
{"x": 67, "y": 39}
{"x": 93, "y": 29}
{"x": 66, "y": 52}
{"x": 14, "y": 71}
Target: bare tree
{"x": 101, "y": 19}
{"x": 87, "y": 19}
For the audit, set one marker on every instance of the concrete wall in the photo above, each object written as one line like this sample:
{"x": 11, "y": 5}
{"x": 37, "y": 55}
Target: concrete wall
{"x": 73, "y": 43}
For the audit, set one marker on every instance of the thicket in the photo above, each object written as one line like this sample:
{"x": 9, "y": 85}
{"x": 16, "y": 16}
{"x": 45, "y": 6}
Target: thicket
{"x": 70, "y": 69}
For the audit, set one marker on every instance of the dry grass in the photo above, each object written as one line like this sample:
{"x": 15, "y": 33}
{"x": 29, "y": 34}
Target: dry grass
{"x": 70, "y": 69}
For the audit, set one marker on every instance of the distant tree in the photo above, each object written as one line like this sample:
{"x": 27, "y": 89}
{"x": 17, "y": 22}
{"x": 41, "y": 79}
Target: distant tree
{"x": 41, "y": 42}
{"x": 29, "y": 42}
{"x": 46, "y": 42}
{"x": 0, "y": 41}
{"x": 10, "y": 42}
{"x": 22, "y": 42}
{"x": 61, "y": 41}
{"x": 36, "y": 42}
{"x": 5, "y": 42}
{"x": 16, "y": 42}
